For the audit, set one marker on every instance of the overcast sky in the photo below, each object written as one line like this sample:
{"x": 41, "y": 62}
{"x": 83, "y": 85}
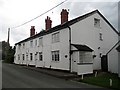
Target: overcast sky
{"x": 16, "y": 12}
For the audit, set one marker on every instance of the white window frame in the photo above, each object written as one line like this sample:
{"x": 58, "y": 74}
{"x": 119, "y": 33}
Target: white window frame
{"x": 23, "y": 45}
{"x": 55, "y": 56}
{"x": 18, "y": 57}
{"x": 101, "y": 36}
{"x": 31, "y": 43}
{"x": 19, "y": 46}
{"x": 40, "y": 41}
{"x": 83, "y": 57}
{"x": 36, "y": 42}
{"x": 97, "y": 22}
{"x": 31, "y": 56}
{"x": 36, "y": 57}
{"x": 23, "y": 57}
{"x": 56, "y": 37}
{"x": 40, "y": 56}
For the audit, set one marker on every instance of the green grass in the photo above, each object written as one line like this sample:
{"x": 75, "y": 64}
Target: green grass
{"x": 103, "y": 79}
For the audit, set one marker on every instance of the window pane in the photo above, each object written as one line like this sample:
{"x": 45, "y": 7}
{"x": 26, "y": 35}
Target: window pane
{"x": 55, "y": 55}
{"x": 23, "y": 56}
{"x": 35, "y": 42}
{"x": 40, "y": 56}
{"x": 31, "y": 56}
{"x": 40, "y": 42}
{"x": 31, "y": 43}
{"x": 96, "y": 22}
{"x": 55, "y": 37}
{"x": 100, "y": 36}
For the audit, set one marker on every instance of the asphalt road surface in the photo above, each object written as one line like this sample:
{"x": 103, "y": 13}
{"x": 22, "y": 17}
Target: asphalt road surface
{"x": 15, "y": 76}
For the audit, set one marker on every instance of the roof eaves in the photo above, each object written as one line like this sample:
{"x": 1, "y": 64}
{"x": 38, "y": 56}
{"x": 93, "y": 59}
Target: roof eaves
{"x": 82, "y": 47}
{"x": 80, "y": 18}
{"x": 68, "y": 23}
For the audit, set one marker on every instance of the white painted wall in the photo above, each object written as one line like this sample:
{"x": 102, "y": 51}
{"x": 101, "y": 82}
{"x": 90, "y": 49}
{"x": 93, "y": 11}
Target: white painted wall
{"x": 46, "y": 48}
{"x": 85, "y": 33}
{"x": 85, "y": 69}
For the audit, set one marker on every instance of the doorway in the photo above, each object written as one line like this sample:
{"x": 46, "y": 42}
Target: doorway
{"x": 75, "y": 58}
{"x": 104, "y": 63}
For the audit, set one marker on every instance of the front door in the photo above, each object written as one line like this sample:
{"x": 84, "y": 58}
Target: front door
{"x": 104, "y": 63}
{"x": 75, "y": 61}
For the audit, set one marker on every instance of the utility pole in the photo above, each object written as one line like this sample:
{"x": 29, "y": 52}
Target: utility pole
{"x": 8, "y": 35}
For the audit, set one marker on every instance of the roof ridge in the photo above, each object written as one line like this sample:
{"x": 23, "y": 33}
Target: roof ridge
{"x": 68, "y": 23}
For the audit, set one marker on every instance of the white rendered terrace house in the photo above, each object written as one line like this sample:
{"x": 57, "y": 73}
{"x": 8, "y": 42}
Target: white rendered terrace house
{"x": 79, "y": 45}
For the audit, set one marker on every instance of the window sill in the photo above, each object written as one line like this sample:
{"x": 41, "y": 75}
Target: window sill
{"x": 55, "y": 61}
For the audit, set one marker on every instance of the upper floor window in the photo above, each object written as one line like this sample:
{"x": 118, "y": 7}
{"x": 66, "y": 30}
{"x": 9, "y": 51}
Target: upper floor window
{"x": 18, "y": 57}
{"x": 101, "y": 36}
{"x": 23, "y": 45}
{"x": 96, "y": 22}
{"x": 55, "y": 37}
{"x": 19, "y": 46}
{"x": 40, "y": 41}
{"x": 31, "y": 43}
{"x": 36, "y": 42}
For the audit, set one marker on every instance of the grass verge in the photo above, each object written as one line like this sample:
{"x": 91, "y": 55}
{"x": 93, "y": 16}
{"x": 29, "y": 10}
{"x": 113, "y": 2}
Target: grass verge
{"x": 103, "y": 79}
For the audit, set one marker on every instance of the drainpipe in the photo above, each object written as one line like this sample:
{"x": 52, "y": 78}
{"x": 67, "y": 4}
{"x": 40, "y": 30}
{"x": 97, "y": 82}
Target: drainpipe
{"x": 70, "y": 65}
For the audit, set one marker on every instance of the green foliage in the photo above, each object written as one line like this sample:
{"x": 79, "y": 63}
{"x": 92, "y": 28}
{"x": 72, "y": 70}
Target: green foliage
{"x": 7, "y": 52}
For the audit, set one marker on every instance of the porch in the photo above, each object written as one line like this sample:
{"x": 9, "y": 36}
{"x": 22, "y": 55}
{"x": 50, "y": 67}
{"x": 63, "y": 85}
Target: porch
{"x": 81, "y": 59}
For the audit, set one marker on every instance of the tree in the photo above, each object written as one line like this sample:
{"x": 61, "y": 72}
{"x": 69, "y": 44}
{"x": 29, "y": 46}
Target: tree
{"x": 7, "y": 52}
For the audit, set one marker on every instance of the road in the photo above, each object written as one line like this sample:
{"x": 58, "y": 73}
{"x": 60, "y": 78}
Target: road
{"x": 15, "y": 76}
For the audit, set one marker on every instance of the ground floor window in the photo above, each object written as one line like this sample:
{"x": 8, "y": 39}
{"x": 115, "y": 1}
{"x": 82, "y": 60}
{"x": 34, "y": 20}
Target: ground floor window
{"x": 18, "y": 57}
{"x": 40, "y": 56}
{"x": 55, "y": 55}
{"x": 31, "y": 56}
{"x": 26, "y": 57}
{"x": 23, "y": 57}
{"x": 85, "y": 57}
{"x": 36, "y": 57}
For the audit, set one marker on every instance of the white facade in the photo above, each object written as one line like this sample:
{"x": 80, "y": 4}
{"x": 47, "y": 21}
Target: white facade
{"x": 100, "y": 38}
{"x": 46, "y": 48}
{"x": 85, "y": 33}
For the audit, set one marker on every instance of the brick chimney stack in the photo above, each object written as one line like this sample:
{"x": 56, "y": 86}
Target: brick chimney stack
{"x": 48, "y": 23}
{"x": 64, "y": 16}
{"x": 32, "y": 31}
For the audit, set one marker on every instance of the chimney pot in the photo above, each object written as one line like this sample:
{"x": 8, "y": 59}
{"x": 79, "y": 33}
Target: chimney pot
{"x": 32, "y": 31}
{"x": 48, "y": 23}
{"x": 64, "y": 16}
